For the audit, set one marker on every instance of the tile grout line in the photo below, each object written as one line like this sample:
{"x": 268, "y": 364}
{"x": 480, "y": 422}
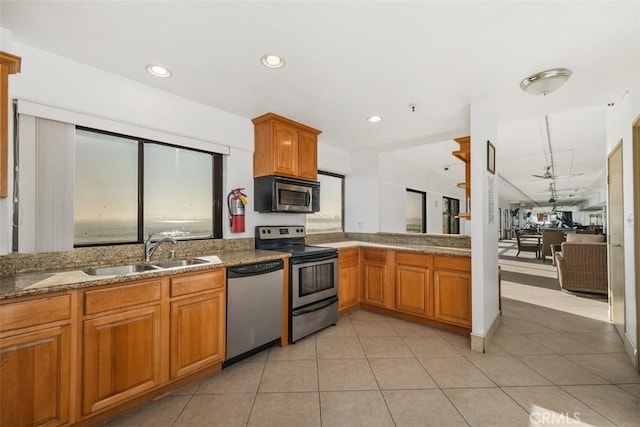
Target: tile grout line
{"x": 315, "y": 345}
{"x": 587, "y": 404}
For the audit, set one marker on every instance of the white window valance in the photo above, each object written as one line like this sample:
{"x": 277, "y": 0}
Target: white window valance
{"x": 59, "y": 114}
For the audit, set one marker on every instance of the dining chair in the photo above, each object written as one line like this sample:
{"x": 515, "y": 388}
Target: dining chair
{"x": 526, "y": 246}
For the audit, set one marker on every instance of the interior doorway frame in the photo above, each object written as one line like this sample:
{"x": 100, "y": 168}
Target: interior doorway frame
{"x": 619, "y": 320}
{"x": 635, "y": 152}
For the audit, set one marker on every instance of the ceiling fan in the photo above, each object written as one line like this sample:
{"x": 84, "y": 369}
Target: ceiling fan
{"x": 548, "y": 175}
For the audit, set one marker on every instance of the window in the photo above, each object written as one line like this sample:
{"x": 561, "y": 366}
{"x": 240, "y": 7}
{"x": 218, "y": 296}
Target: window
{"x": 416, "y": 212}
{"x": 330, "y": 216}
{"x": 126, "y": 188}
{"x": 178, "y": 192}
{"x": 106, "y": 191}
{"x": 450, "y": 211}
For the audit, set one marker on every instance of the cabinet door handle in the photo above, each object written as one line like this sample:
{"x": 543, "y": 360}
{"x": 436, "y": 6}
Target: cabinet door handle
{"x": 616, "y": 245}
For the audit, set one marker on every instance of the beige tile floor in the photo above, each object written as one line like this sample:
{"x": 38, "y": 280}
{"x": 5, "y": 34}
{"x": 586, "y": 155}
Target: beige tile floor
{"x": 547, "y": 366}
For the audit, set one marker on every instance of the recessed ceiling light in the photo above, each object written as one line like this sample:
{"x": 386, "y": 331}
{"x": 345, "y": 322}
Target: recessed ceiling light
{"x": 374, "y": 119}
{"x": 271, "y": 60}
{"x": 158, "y": 70}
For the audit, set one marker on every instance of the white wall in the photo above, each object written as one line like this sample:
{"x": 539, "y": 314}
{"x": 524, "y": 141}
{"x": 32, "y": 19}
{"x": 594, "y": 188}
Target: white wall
{"x": 396, "y": 175}
{"x": 331, "y": 159}
{"x": 393, "y": 201}
{"x": 59, "y": 82}
{"x": 620, "y": 119}
{"x": 484, "y": 235}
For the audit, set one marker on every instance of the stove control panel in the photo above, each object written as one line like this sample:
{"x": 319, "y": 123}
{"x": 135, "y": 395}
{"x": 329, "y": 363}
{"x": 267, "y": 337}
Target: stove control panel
{"x": 279, "y": 231}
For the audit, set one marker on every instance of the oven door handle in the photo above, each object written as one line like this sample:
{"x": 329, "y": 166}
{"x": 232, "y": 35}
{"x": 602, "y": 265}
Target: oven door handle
{"x": 315, "y": 307}
{"x": 309, "y": 259}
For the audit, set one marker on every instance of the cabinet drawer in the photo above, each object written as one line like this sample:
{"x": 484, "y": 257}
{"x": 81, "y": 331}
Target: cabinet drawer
{"x": 407, "y": 258}
{"x": 452, "y": 263}
{"x": 375, "y": 255}
{"x": 347, "y": 255}
{"x": 34, "y": 312}
{"x": 121, "y": 297}
{"x": 192, "y": 283}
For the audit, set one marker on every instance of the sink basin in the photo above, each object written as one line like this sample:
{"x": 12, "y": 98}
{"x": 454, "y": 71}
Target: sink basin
{"x": 180, "y": 263}
{"x": 119, "y": 270}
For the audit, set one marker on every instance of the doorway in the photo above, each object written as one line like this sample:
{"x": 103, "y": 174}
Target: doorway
{"x": 450, "y": 211}
{"x": 615, "y": 238}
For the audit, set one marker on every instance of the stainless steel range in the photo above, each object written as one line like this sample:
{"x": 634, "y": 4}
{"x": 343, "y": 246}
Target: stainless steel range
{"x": 313, "y": 278}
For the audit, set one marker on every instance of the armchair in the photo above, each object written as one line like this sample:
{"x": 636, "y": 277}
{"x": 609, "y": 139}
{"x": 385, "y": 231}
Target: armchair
{"x": 583, "y": 267}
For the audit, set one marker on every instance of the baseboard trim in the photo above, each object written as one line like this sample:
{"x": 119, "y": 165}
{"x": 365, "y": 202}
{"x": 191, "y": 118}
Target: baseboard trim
{"x": 631, "y": 351}
{"x": 480, "y": 343}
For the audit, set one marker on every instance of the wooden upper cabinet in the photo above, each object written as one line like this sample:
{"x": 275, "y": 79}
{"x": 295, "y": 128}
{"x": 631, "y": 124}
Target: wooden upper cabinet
{"x": 284, "y": 147}
{"x": 9, "y": 64}
{"x": 307, "y": 155}
{"x": 464, "y": 154}
{"x": 285, "y": 150}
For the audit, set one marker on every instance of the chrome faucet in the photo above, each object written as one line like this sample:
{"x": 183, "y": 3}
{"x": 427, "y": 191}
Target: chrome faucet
{"x": 150, "y": 248}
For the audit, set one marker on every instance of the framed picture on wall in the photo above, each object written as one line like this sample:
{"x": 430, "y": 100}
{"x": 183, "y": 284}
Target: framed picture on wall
{"x": 491, "y": 158}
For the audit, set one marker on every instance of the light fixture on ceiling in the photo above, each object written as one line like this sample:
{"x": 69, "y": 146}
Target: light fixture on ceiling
{"x": 374, "y": 119}
{"x": 545, "y": 82}
{"x": 271, "y": 60}
{"x": 158, "y": 70}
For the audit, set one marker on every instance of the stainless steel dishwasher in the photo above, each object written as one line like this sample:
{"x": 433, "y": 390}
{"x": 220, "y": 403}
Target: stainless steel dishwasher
{"x": 254, "y": 308}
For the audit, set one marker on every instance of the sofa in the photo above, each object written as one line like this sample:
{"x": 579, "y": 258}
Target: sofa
{"x": 583, "y": 267}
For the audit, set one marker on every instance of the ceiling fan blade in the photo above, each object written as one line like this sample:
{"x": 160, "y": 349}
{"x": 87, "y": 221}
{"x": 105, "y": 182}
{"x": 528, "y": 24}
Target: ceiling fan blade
{"x": 569, "y": 175}
{"x": 541, "y": 176}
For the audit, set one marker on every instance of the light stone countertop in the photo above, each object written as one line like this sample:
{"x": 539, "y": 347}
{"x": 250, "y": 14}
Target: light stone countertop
{"x": 55, "y": 281}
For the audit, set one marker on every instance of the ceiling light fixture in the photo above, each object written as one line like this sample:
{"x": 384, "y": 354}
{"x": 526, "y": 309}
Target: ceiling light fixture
{"x": 545, "y": 82}
{"x": 158, "y": 71}
{"x": 271, "y": 60}
{"x": 374, "y": 119}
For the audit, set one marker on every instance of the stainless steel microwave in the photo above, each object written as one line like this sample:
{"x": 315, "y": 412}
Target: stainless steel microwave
{"x": 278, "y": 194}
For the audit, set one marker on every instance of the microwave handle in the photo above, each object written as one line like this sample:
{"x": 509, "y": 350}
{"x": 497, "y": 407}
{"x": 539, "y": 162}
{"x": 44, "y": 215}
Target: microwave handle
{"x": 307, "y": 198}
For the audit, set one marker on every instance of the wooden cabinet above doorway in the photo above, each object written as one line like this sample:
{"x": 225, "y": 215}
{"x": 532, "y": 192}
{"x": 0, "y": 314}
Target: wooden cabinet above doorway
{"x": 9, "y": 64}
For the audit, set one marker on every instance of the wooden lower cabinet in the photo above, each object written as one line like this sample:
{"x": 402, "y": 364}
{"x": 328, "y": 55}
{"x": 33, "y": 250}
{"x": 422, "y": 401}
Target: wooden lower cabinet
{"x": 375, "y": 278}
{"x": 122, "y": 355}
{"x": 452, "y": 289}
{"x": 197, "y": 332}
{"x": 430, "y": 286}
{"x": 35, "y": 378}
{"x": 452, "y": 297}
{"x": 348, "y": 279}
{"x": 414, "y": 291}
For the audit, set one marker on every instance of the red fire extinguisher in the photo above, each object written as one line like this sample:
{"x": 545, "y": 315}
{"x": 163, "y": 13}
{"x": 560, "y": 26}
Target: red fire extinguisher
{"x": 236, "y": 201}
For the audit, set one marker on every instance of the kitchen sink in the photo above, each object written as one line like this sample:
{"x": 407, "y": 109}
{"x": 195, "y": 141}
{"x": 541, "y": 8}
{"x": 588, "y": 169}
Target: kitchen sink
{"x": 180, "y": 263}
{"x": 119, "y": 270}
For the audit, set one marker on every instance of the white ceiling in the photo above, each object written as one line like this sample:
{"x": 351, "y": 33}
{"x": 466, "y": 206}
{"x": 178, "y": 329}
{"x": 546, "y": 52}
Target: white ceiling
{"x": 348, "y": 60}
